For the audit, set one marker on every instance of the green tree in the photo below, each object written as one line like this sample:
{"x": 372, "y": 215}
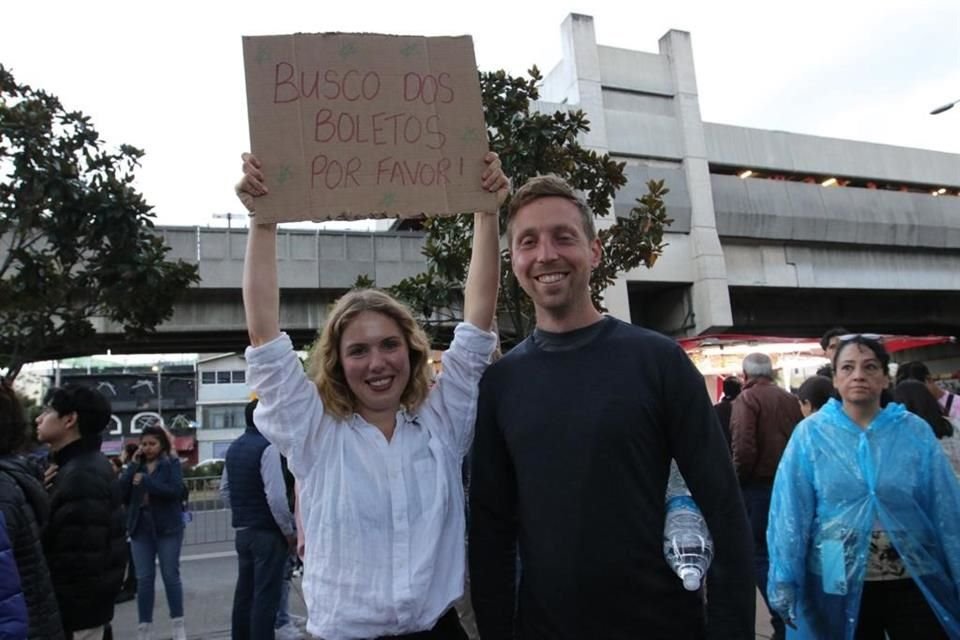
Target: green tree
{"x": 76, "y": 239}
{"x": 531, "y": 143}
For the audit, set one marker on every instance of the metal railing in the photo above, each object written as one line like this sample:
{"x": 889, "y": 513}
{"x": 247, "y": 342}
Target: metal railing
{"x": 210, "y": 517}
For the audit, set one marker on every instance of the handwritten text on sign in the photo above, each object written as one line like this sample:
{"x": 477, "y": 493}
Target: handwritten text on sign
{"x": 354, "y": 126}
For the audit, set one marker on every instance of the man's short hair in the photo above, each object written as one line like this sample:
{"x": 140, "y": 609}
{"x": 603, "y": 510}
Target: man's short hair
{"x": 758, "y": 365}
{"x": 248, "y": 412}
{"x": 816, "y": 390}
{"x": 92, "y": 408}
{"x": 831, "y": 333}
{"x": 549, "y": 186}
{"x": 731, "y": 387}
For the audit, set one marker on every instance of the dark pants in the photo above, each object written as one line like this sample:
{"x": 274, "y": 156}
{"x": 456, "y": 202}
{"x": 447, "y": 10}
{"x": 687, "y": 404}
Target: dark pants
{"x": 447, "y": 628}
{"x": 897, "y": 608}
{"x": 130, "y": 581}
{"x": 261, "y": 558}
{"x": 756, "y": 497}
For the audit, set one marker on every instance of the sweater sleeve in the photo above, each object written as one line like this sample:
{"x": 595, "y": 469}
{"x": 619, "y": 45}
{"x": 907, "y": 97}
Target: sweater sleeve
{"x": 493, "y": 524}
{"x": 700, "y": 450}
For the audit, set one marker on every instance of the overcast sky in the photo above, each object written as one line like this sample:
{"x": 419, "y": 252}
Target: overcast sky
{"x": 168, "y": 77}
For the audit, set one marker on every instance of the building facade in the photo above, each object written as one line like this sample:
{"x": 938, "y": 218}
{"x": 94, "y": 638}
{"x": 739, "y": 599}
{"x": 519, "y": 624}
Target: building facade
{"x": 774, "y": 233}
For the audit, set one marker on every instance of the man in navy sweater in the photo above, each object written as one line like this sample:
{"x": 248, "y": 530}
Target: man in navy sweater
{"x": 576, "y": 427}
{"x": 254, "y": 488}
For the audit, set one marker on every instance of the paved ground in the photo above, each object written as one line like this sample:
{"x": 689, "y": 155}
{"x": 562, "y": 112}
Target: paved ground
{"x": 209, "y": 572}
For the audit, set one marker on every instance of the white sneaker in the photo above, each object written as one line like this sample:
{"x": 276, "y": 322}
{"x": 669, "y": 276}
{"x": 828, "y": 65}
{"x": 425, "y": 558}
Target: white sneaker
{"x": 179, "y": 632}
{"x": 288, "y": 631}
{"x": 143, "y": 631}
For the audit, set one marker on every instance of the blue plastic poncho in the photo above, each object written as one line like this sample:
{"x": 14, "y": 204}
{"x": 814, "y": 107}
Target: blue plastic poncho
{"x": 835, "y": 485}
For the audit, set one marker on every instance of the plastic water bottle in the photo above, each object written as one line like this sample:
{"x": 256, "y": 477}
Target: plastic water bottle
{"x": 687, "y": 545}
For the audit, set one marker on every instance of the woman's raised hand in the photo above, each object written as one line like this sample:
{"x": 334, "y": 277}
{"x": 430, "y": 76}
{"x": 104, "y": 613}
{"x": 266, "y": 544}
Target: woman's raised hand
{"x": 251, "y": 185}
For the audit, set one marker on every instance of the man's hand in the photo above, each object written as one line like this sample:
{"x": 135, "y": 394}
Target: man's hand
{"x": 137, "y": 478}
{"x": 251, "y": 185}
{"x": 49, "y": 475}
{"x": 493, "y": 178}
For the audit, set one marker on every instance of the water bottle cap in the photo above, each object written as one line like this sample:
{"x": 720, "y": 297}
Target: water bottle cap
{"x": 691, "y": 578}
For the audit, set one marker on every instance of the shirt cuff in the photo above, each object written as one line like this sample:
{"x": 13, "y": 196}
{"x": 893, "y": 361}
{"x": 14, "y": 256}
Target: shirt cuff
{"x": 268, "y": 352}
{"x": 473, "y": 339}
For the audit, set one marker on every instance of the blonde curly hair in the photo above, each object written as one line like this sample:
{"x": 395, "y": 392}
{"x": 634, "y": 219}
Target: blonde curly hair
{"x": 326, "y": 370}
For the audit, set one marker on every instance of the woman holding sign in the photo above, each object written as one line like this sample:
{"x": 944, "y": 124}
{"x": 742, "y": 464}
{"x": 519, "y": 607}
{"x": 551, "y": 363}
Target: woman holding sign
{"x": 375, "y": 449}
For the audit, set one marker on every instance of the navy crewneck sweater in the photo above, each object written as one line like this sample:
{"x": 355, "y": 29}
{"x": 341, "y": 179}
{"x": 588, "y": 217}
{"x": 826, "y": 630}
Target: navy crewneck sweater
{"x": 571, "y": 460}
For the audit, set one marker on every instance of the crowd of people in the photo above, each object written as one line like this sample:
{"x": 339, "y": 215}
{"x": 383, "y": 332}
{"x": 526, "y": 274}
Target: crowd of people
{"x": 537, "y": 477}
{"x": 852, "y": 491}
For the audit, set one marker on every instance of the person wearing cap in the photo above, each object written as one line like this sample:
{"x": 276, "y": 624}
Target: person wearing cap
{"x": 85, "y": 540}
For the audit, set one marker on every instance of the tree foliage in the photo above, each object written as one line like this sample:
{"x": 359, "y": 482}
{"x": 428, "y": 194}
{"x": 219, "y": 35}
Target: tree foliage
{"x": 77, "y": 241}
{"x": 532, "y": 143}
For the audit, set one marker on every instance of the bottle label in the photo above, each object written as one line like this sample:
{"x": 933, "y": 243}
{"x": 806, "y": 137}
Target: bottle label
{"x": 682, "y": 502}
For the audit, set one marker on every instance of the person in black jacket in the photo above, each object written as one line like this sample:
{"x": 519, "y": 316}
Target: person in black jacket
{"x": 25, "y": 506}
{"x": 13, "y": 607}
{"x": 84, "y": 542}
{"x": 731, "y": 389}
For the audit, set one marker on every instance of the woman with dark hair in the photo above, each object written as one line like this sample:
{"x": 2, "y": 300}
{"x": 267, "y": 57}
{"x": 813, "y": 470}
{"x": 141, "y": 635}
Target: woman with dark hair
{"x": 375, "y": 445}
{"x": 916, "y": 397}
{"x": 863, "y": 538}
{"x": 152, "y": 486}
{"x": 26, "y": 508}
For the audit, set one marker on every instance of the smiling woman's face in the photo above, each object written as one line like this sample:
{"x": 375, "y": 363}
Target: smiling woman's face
{"x": 859, "y": 376}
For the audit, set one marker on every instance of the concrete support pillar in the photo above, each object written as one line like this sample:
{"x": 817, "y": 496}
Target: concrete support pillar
{"x": 585, "y": 92}
{"x": 711, "y": 297}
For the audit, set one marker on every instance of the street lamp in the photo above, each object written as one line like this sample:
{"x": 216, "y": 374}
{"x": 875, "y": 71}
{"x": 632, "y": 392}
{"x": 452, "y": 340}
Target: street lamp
{"x": 158, "y": 368}
{"x": 229, "y": 217}
{"x": 945, "y": 107}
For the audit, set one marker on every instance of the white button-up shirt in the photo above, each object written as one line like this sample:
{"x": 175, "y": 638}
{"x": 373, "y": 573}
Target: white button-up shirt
{"x": 384, "y": 521}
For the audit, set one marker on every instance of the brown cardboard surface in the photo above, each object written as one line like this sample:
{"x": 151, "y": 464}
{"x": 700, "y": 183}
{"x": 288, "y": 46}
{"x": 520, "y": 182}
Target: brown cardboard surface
{"x": 350, "y": 126}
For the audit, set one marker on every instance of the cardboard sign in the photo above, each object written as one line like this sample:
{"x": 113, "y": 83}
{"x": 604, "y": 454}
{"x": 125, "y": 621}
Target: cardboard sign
{"x": 350, "y": 126}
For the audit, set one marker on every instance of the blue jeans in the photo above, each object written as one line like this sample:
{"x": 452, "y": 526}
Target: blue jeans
{"x": 261, "y": 559}
{"x": 756, "y": 497}
{"x": 147, "y": 548}
{"x": 283, "y": 611}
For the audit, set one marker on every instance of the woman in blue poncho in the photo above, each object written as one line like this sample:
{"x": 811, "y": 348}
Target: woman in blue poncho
{"x": 864, "y": 533}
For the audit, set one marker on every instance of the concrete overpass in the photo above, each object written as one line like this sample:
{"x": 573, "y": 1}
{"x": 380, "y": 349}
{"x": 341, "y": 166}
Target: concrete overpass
{"x": 314, "y": 268}
{"x": 776, "y": 253}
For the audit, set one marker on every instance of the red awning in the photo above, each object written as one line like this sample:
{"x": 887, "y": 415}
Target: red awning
{"x": 893, "y": 343}
{"x": 901, "y": 343}
{"x": 111, "y": 447}
{"x": 184, "y": 443}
